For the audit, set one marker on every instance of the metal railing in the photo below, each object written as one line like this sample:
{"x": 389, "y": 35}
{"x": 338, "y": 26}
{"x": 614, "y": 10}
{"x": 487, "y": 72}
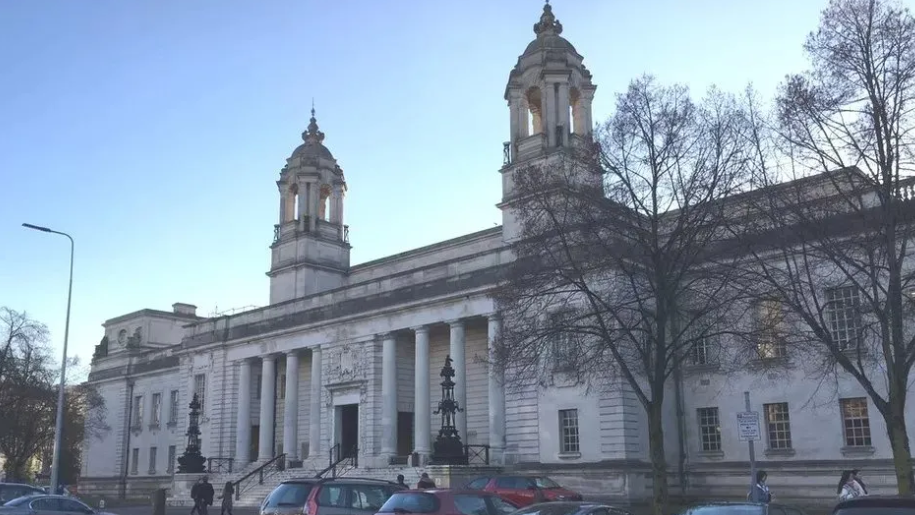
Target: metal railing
{"x": 477, "y": 454}
{"x": 276, "y": 464}
{"x": 219, "y": 465}
{"x": 340, "y": 461}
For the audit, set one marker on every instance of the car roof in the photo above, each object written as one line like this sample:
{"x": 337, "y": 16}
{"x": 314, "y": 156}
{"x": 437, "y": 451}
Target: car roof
{"x": 315, "y": 480}
{"x": 454, "y": 491}
{"x": 878, "y": 500}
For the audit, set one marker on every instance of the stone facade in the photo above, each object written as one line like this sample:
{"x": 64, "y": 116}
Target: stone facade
{"x": 350, "y": 355}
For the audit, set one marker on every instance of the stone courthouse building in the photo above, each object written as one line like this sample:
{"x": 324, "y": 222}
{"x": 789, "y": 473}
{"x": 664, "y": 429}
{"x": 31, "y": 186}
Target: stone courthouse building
{"x": 346, "y": 358}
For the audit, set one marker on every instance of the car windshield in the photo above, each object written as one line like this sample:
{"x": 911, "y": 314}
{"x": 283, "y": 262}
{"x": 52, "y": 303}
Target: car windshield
{"x": 877, "y": 510}
{"x": 288, "y": 494}
{"x": 545, "y": 482}
{"x": 410, "y": 502}
{"x": 728, "y": 509}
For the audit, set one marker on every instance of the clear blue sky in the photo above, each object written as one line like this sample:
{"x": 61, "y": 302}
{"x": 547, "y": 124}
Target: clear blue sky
{"x": 153, "y": 131}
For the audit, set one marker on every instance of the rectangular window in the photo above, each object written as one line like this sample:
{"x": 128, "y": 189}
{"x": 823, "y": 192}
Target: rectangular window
{"x": 137, "y": 411}
{"x": 769, "y": 317}
{"x": 152, "y": 459}
{"x": 173, "y": 408}
{"x": 568, "y": 430}
{"x": 778, "y": 425}
{"x": 843, "y": 315}
{"x": 200, "y": 388}
{"x": 135, "y": 461}
{"x": 156, "y": 410}
{"x": 172, "y": 450}
{"x": 709, "y": 430}
{"x": 566, "y": 351}
{"x": 281, "y": 393}
{"x": 856, "y": 422}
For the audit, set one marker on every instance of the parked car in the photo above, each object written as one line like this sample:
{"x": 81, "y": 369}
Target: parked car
{"x": 570, "y": 508}
{"x": 447, "y": 502}
{"x": 329, "y": 496}
{"x": 524, "y": 490}
{"x": 45, "y": 504}
{"x": 743, "y": 508}
{"x": 879, "y": 505}
{"x": 10, "y": 491}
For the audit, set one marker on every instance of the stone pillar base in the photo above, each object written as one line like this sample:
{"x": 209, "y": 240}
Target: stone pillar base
{"x": 180, "y": 494}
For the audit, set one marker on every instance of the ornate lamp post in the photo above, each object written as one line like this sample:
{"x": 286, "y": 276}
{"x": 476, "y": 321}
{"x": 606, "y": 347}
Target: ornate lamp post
{"x": 448, "y": 448}
{"x": 191, "y": 461}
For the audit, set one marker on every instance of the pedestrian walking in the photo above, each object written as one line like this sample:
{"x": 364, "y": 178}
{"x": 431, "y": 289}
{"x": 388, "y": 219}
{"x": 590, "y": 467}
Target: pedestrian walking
{"x": 858, "y": 482}
{"x": 206, "y": 496}
{"x": 425, "y": 482}
{"x": 195, "y": 497}
{"x": 761, "y": 490}
{"x": 847, "y": 489}
{"x": 401, "y": 482}
{"x": 227, "y": 492}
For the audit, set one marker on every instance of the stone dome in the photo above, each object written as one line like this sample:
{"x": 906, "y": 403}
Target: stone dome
{"x": 549, "y": 41}
{"x": 313, "y": 139}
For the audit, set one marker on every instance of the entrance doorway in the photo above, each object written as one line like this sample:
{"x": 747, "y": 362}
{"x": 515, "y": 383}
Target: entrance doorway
{"x": 404, "y": 433}
{"x": 254, "y": 443}
{"x": 347, "y": 417}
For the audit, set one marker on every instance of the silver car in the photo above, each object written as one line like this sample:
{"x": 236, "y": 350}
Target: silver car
{"x": 48, "y": 505}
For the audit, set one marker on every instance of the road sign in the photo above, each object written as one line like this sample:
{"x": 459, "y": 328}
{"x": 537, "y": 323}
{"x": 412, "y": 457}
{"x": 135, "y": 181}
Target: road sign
{"x": 748, "y": 426}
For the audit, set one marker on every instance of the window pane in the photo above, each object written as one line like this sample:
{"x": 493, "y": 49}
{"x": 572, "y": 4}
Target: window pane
{"x": 778, "y": 425}
{"x": 709, "y": 430}
{"x": 411, "y": 503}
{"x": 568, "y": 429}
{"x": 856, "y": 422}
{"x": 470, "y": 504}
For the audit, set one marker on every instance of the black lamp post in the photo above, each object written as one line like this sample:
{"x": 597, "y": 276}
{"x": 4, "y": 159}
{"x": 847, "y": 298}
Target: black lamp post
{"x": 191, "y": 461}
{"x": 448, "y": 448}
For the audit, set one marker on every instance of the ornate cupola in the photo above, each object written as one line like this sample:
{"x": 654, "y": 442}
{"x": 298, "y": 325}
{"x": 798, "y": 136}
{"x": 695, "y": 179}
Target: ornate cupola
{"x": 310, "y": 250}
{"x": 549, "y": 95}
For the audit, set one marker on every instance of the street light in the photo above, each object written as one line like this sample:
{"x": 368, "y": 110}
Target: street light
{"x": 58, "y": 442}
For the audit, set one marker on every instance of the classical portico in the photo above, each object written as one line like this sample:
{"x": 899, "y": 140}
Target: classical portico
{"x": 340, "y": 403}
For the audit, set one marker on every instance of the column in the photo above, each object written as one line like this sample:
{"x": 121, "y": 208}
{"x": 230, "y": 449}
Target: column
{"x": 496, "y": 394}
{"x": 422, "y": 427}
{"x": 268, "y": 408}
{"x": 389, "y": 395}
{"x": 548, "y": 112}
{"x": 460, "y": 375}
{"x": 562, "y": 105}
{"x": 243, "y": 422}
{"x": 291, "y": 408}
{"x": 314, "y": 413}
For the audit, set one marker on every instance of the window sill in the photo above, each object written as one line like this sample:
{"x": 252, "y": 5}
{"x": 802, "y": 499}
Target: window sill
{"x": 860, "y": 452}
{"x": 712, "y": 455}
{"x": 758, "y": 362}
{"x": 780, "y": 452}
{"x": 569, "y": 455}
{"x": 151, "y": 472}
{"x": 701, "y": 367}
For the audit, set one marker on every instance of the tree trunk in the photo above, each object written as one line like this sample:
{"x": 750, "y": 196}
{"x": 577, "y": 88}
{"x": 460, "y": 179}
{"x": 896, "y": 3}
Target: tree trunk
{"x": 656, "y": 454}
{"x": 899, "y": 441}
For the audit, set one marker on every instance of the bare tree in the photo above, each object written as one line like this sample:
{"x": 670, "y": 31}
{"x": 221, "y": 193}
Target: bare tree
{"x": 28, "y": 398}
{"x": 832, "y": 243}
{"x": 620, "y": 272}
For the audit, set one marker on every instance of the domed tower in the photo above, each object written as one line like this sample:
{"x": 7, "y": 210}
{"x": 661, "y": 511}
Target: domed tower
{"x": 310, "y": 250}
{"x": 549, "y": 94}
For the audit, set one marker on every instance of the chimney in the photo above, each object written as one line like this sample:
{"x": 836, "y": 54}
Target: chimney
{"x": 181, "y": 308}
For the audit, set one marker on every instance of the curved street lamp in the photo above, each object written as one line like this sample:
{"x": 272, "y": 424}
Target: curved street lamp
{"x": 59, "y": 428}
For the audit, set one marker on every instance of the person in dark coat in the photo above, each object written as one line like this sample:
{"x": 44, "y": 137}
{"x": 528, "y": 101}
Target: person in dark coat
{"x": 425, "y": 482}
{"x": 226, "y": 497}
{"x": 205, "y": 496}
{"x": 401, "y": 482}
{"x": 195, "y": 497}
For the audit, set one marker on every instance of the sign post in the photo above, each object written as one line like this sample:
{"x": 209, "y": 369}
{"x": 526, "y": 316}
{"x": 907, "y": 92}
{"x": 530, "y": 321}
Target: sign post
{"x": 748, "y": 430}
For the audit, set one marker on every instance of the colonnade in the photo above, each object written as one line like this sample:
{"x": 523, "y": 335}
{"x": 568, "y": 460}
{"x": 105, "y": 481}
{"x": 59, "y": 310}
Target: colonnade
{"x": 422, "y": 397}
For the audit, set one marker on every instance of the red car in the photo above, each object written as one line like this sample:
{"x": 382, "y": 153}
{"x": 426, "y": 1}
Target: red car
{"x": 446, "y": 502}
{"x": 524, "y": 490}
